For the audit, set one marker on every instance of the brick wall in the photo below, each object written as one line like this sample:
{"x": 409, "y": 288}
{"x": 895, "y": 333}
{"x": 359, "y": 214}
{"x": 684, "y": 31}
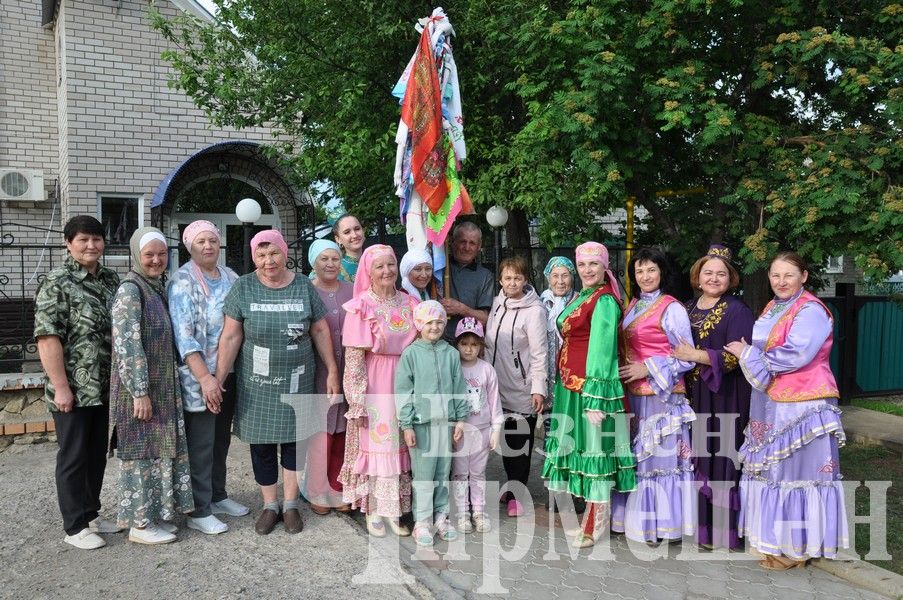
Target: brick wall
{"x": 88, "y": 102}
{"x": 126, "y": 127}
{"x": 28, "y": 111}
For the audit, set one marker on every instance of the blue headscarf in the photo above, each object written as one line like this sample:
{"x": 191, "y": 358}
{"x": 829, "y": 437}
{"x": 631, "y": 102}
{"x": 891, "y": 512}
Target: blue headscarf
{"x": 559, "y": 261}
{"x": 318, "y": 247}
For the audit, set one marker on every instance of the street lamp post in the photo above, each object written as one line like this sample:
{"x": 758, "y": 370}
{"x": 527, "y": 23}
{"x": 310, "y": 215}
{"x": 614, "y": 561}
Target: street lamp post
{"x": 497, "y": 217}
{"x": 247, "y": 211}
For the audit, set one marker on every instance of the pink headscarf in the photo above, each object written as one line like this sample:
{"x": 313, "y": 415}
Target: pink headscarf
{"x": 362, "y": 277}
{"x": 192, "y": 231}
{"x": 269, "y": 236}
{"x": 429, "y": 310}
{"x": 598, "y": 252}
{"x": 196, "y": 228}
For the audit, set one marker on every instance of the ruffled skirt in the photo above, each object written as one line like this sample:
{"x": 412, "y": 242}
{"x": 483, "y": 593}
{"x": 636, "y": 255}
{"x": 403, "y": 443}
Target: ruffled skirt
{"x": 585, "y": 460}
{"x": 664, "y": 504}
{"x": 792, "y": 501}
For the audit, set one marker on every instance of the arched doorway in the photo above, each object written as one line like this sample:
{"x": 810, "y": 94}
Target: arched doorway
{"x": 209, "y": 184}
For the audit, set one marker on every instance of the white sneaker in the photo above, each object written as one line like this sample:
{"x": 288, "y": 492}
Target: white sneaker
{"x": 100, "y": 525}
{"x": 85, "y": 540}
{"x": 229, "y": 507}
{"x": 150, "y": 535}
{"x": 209, "y": 525}
{"x": 166, "y": 526}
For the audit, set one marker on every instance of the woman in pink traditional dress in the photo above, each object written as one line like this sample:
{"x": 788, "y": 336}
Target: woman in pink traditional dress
{"x": 376, "y": 474}
{"x": 663, "y": 505}
{"x": 791, "y": 498}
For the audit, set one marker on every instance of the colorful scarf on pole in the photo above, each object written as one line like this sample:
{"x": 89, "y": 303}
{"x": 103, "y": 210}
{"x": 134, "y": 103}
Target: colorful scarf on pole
{"x": 421, "y": 110}
{"x": 431, "y": 136}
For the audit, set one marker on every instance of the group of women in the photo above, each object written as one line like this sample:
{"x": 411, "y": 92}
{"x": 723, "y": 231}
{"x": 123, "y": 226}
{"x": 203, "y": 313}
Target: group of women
{"x": 757, "y": 392}
{"x": 622, "y": 385}
{"x": 174, "y": 392}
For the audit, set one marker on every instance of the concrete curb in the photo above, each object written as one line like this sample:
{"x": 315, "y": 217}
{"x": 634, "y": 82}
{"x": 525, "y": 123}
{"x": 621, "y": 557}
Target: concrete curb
{"x": 864, "y": 574}
{"x": 873, "y": 428}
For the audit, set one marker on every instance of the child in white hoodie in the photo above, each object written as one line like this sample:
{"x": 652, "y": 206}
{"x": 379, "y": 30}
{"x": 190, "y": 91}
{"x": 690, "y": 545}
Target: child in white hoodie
{"x": 481, "y": 432}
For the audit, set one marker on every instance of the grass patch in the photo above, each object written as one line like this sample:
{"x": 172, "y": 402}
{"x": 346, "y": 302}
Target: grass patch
{"x": 885, "y": 406}
{"x": 859, "y": 462}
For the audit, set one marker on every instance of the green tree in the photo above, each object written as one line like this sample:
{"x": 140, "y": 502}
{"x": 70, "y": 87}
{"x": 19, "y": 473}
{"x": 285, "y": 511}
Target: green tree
{"x": 761, "y": 124}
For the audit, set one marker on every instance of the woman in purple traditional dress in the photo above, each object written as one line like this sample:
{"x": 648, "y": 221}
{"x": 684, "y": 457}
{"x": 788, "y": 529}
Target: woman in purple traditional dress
{"x": 718, "y": 393}
{"x": 791, "y": 497}
{"x": 663, "y": 505}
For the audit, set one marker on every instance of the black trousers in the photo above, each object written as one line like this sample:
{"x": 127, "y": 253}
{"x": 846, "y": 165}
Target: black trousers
{"x": 265, "y": 461}
{"x": 80, "y": 463}
{"x": 517, "y": 446}
{"x": 222, "y": 439}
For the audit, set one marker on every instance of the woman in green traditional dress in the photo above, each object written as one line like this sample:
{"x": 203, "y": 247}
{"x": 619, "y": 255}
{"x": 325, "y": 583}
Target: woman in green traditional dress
{"x": 589, "y": 447}
{"x": 146, "y": 399}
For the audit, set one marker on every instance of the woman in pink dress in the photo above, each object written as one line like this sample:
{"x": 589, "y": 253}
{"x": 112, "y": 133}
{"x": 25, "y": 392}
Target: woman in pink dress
{"x": 379, "y": 324}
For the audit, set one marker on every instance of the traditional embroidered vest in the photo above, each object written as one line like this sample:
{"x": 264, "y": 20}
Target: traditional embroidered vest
{"x": 645, "y": 337}
{"x": 813, "y": 381}
{"x": 575, "y": 330}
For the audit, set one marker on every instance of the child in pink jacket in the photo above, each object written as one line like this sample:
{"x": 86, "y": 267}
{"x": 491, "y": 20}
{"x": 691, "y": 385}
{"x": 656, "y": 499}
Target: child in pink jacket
{"x": 481, "y": 431}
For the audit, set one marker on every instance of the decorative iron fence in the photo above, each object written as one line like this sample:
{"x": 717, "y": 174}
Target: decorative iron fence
{"x": 867, "y": 357}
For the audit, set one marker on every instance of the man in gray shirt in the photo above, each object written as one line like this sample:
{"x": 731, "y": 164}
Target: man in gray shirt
{"x": 471, "y": 283}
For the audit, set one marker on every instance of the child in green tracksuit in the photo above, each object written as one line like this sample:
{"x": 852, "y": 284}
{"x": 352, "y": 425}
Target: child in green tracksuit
{"x": 431, "y": 402}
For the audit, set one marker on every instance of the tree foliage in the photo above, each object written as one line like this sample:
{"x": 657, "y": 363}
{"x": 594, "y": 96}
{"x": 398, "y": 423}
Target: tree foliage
{"x": 762, "y": 124}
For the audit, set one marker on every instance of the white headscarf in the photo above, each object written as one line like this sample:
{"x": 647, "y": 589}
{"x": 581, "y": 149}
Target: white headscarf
{"x": 411, "y": 259}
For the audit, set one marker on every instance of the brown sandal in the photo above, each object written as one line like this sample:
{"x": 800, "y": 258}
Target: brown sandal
{"x": 781, "y": 563}
{"x": 319, "y": 510}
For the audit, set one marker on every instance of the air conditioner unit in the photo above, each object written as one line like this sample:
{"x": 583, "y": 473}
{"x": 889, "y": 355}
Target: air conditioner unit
{"x": 22, "y": 185}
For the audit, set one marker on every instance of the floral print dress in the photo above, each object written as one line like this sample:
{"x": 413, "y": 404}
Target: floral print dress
{"x": 155, "y": 477}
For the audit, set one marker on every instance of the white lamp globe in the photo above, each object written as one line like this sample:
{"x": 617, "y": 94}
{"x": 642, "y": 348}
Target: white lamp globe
{"x": 496, "y": 216}
{"x": 248, "y": 210}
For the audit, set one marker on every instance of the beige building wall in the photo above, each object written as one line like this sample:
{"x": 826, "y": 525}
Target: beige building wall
{"x": 126, "y": 127}
{"x": 86, "y": 100}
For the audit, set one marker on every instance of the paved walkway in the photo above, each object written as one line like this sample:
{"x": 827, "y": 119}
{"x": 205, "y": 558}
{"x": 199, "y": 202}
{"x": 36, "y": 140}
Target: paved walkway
{"x": 320, "y": 562}
{"x": 332, "y": 557}
{"x": 534, "y": 567}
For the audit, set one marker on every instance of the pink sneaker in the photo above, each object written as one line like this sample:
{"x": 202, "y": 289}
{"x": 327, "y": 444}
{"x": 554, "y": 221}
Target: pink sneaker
{"x": 515, "y": 508}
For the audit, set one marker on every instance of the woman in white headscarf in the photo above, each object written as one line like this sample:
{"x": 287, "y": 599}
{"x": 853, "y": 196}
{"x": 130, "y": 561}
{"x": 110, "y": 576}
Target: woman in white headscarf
{"x": 560, "y": 275}
{"x": 146, "y": 399}
{"x": 417, "y": 279}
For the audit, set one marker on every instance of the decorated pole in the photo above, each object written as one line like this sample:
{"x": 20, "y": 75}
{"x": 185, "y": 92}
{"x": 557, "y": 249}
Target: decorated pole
{"x": 430, "y": 143}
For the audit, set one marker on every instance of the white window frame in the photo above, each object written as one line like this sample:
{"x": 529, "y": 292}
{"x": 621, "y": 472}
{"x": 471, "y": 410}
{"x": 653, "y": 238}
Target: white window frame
{"x": 834, "y": 268}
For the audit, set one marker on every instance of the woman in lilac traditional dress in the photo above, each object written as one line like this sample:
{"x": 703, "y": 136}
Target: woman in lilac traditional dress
{"x": 792, "y": 500}
{"x": 326, "y": 451}
{"x": 663, "y": 504}
{"x": 718, "y": 393}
